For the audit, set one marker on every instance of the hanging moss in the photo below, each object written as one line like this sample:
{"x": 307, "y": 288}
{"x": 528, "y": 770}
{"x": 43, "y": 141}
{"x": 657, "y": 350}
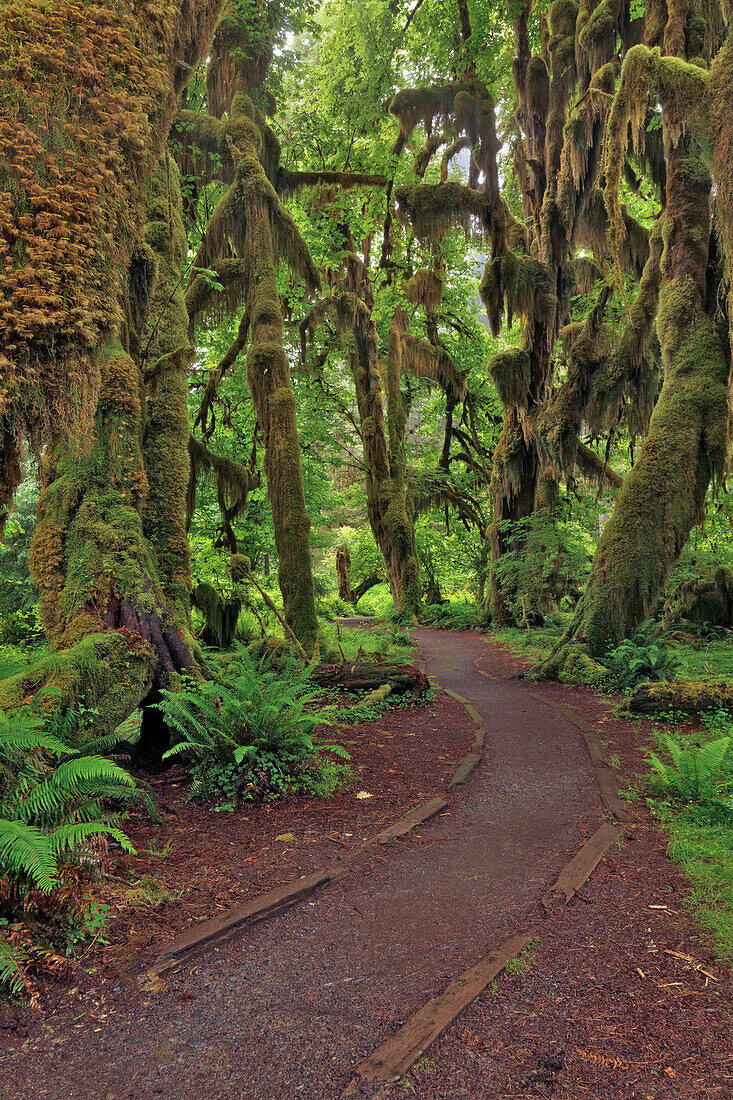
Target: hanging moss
{"x": 233, "y": 482}
{"x": 220, "y": 616}
{"x": 423, "y": 105}
{"x": 537, "y": 94}
{"x": 209, "y": 304}
{"x": 424, "y": 288}
{"x": 523, "y": 284}
{"x": 686, "y": 447}
{"x": 586, "y": 273}
{"x": 291, "y": 183}
{"x": 432, "y": 209}
{"x": 609, "y": 375}
{"x": 600, "y": 33}
{"x": 511, "y": 372}
{"x": 434, "y": 363}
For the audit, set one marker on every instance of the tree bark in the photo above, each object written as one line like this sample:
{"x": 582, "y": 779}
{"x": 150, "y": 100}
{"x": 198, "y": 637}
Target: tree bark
{"x": 663, "y": 496}
{"x": 73, "y": 378}
{"x": 343, "y": 571}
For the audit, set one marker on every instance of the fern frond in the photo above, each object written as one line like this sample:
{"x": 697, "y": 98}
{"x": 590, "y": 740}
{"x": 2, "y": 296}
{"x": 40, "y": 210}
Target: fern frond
{"x": 25, "y": 853}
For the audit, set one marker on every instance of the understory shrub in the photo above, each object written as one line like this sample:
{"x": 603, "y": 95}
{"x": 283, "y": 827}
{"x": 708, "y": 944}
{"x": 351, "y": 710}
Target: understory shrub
{"x": 697, "y": 775}
{"x": 644, "y": 658}
{"x": 53, "y": 840}
{"x": 248, "y": 731}
{"x": 450, "y": 616}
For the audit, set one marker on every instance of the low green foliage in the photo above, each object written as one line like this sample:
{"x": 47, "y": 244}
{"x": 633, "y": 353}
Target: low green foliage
{"x": 451, "y": 616}
{"x": 702, "y": 775}
{"x": 248, "y": 731}
{"x": 642, "y": 659}
{"x": 53, "y": 832}
{"x": 693, "y": 798}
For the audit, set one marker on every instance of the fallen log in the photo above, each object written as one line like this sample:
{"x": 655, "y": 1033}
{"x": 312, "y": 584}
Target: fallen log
{"x": 365, "y": 676}
{"x": 679, "y": 695}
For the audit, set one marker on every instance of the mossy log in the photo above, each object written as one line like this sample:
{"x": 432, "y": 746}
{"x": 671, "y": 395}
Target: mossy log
{"x": 685, "y": 697}
{"x": 364, "y": 676}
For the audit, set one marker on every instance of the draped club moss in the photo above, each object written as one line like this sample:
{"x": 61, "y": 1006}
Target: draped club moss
{"x": 686, "y": 448}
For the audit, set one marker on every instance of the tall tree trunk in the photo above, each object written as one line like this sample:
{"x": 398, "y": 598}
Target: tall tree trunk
{"x": 250, "y": 218}
{"x": 268, "y": 375}
{"x": 73, "y": 193}
{"x": 663, "y": 496}
{"x": 343, "y": 574}
{"x": 390, "y": 515}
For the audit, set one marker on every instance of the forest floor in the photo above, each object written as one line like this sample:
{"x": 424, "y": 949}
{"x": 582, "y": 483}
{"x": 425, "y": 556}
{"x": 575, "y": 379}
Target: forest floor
{"x": 617, "y": 996}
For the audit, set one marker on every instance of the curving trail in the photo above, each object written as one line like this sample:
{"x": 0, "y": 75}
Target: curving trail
{"x": 290, "y": 1007}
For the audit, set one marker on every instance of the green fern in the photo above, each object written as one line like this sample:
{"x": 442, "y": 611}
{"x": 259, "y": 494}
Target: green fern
{"x": 245, "y": 723}
{"x": 25, "y": 855}
{"x": 51, "y": 814}
{"x": 694, "y": 774}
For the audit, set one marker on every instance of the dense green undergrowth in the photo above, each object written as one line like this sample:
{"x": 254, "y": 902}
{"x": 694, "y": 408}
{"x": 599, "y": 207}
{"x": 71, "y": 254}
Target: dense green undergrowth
{"x": 690, "y": 787}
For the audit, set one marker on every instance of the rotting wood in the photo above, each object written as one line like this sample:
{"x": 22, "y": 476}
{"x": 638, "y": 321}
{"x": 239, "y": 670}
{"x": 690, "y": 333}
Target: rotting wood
{"x": 413, "y": 818}
{"x": 577, "y": 872}
{"x": 395, "y": 1056}
{"x": 609, "y": 793}
{"x": 466, "y": 766}
{"x": 365, "y": 676}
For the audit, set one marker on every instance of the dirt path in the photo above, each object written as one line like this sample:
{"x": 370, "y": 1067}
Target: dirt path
{"x": 288, "y": 1008}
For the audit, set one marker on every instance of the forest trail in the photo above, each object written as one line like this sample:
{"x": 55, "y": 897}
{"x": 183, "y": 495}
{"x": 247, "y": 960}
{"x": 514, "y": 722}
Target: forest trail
{"x": 290, "y": 1007}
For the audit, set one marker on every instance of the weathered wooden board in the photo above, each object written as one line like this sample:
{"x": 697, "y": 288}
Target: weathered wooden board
{"x": 466, "y": 765}
{"x": 395, "y": 1056}
{"x": 217, "y": 928}
{"x": 415, "y": 817}
{"x": 575, "y": 873}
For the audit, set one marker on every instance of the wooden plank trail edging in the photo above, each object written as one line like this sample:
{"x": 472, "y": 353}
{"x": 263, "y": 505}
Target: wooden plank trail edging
{"x": 577, "y": 872}
{"x": 394, "y": 1057}
{"x": 411, "y": 819}
{"x": 605, "y": 775}
{"x": 274, "y": 902}
{"x": 468, "y": 763}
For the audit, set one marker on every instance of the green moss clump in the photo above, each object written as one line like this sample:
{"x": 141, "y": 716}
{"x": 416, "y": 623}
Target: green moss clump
{"x": 511, "y": 372}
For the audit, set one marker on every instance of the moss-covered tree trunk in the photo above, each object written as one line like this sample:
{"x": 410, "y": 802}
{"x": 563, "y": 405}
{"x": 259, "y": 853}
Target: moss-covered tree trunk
{"x": 73, "y": 196}
{"x": 403, "y": 564}
{"x": 388, "y": 508}
{"x": 268, "y": 370}
{"x": 250, "y": 220}
{"x": 268, "y": 373}
{"x": 663, "y": 496}
{"x": 343, "y": 574}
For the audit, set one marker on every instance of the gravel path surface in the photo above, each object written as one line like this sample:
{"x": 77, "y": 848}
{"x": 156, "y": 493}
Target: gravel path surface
{"x": 288, "y": 1008}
